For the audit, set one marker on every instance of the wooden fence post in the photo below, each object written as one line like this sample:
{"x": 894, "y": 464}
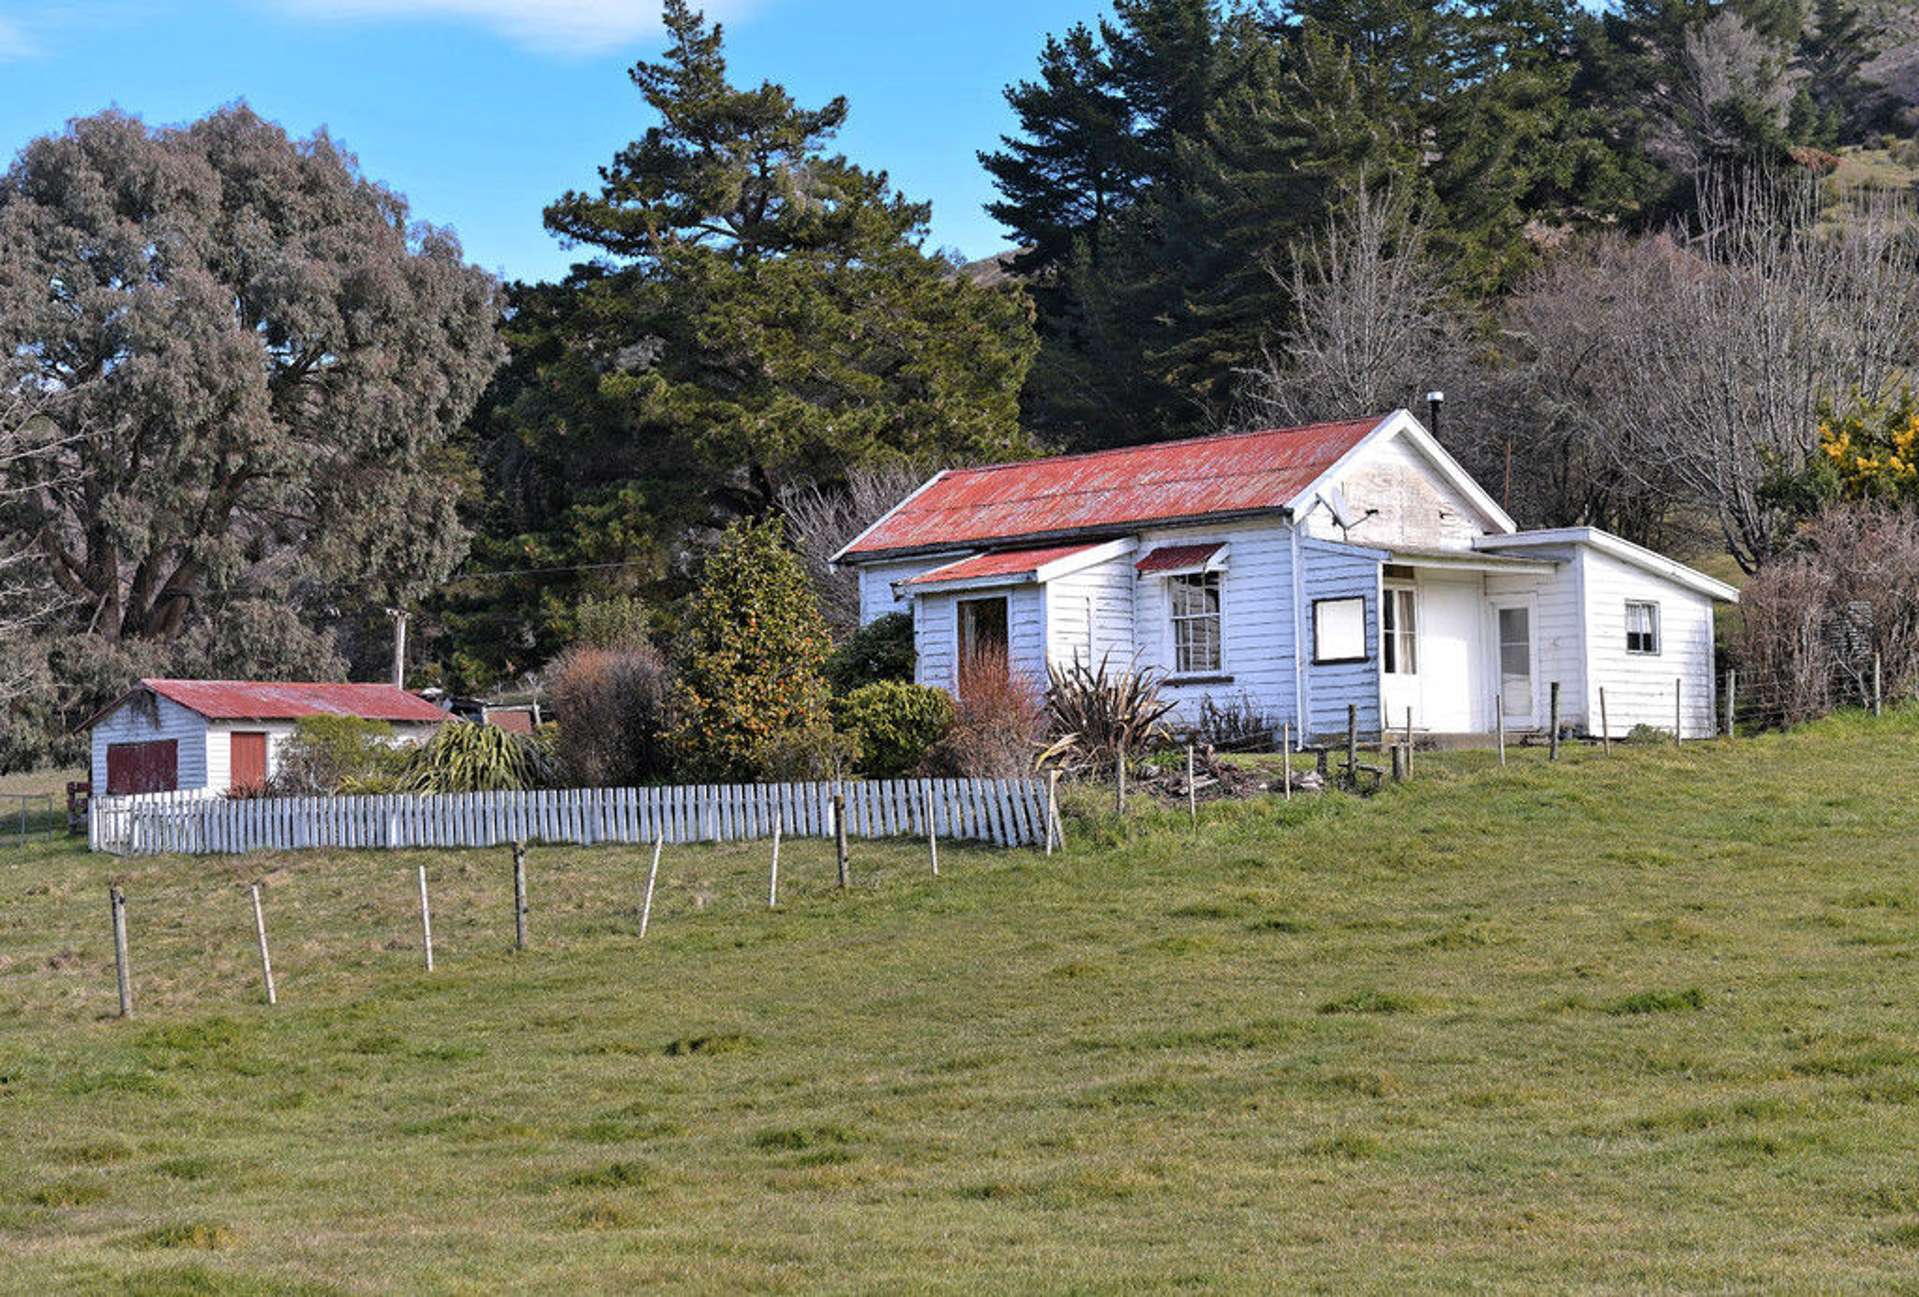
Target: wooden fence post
{"x": 1352, "y": 745}
{"x": 426, "y": 922}
{"x": 1399, "y": 763}
{"x": 122, "y": 969}
{"x": 260, "y": 931}
{"x": 1878, "y": 693}
{"x": 1552, "y": 742}
{"x": 519, "y": 896}
{"x": 933, "y": 837}
{"x": 1605, "y": 725}
{"x": 1052, "y": 811}
{"x": 773, "y": 879}
{"x": 1678, "y": 711}
{"x": 839, "y": 834}
{"x": 646, "y": 907}
{"x": 1286, "y": 756}
{"x": 1120, "y": 772}
{"x": 1732, "y": 700}
{"x": 1499, "y": 724}
{"x": 1409, "y": 741}
{"x": 1192, "y": 793}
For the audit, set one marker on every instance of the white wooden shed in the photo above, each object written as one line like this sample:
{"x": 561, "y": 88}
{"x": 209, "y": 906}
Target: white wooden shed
{"x": 218, "y": 735}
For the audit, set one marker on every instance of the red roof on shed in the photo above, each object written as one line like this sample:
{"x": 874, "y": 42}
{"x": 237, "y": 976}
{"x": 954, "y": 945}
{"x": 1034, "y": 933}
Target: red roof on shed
{"x": 254, "y": 700}
{"x": 1010, "y": 562}
{"x": 1114, "y": 489}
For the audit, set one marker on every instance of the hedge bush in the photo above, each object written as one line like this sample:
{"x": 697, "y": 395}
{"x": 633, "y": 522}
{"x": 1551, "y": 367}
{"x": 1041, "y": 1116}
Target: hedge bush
{"x": 895, "y": 725}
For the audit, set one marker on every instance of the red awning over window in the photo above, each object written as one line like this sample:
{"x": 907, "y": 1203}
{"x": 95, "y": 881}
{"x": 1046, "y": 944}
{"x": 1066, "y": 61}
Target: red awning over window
{"x": 1178, "y": 558}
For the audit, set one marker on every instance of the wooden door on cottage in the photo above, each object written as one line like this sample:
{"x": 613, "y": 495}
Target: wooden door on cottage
{"x": 249, "y": 760}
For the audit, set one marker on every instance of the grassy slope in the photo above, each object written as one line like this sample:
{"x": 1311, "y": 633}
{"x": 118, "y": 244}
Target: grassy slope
{"x": 1644, "y": 1023}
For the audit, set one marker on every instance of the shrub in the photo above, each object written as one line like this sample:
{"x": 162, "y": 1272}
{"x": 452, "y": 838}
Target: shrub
{"x": 1813, "y": 620}
{"x": 879, "y": 651}
{"x": 329, "y": 754}
{"x": 1240, "y": 726}
{"x": 997, "y": 723}
{"x": 895, "y": 725}
{"x": 751, "y": 651}
{"x": 468, "y": 758}
{"x": 815, "y": 751}
{"x": 611, "y": 704}
{"x": 1096, "y": 714}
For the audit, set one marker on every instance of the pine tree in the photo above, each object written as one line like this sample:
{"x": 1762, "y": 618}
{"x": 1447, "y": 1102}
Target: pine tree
{"x": 761, "y": 312}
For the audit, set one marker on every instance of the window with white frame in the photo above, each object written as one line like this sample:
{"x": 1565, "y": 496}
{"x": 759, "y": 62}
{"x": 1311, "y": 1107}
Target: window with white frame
{"x": 1196, "y": 605}
{"x": 1642, "y": 626}
{"x": 1339, "y": 630}
{"x": 1399, "y": 633}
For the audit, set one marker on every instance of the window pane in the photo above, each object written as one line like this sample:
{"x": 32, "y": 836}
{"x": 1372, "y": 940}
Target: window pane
{"x": 1339, "y": 627}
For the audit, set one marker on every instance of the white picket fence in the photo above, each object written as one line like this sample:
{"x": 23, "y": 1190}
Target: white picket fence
{"x": 1005, "y": 812}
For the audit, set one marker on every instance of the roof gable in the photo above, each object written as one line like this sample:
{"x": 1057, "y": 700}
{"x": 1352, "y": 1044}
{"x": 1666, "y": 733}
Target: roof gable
{"x": 1113, "y": 490}
{"x": 1401, "y": 426}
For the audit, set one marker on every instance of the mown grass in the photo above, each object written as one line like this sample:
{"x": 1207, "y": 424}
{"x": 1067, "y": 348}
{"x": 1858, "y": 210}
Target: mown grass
{"x": 1634, "y": 1023}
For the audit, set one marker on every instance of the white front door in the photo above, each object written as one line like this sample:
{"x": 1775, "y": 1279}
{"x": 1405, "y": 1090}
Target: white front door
{"x": 1399, "y": 656}
{"x": 1513, "y": 661}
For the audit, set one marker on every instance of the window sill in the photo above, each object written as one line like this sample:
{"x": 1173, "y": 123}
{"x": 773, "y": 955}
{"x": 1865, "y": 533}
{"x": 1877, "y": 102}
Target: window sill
{"x": 1199, "y": 680}
{"x": 1339, "y": 662}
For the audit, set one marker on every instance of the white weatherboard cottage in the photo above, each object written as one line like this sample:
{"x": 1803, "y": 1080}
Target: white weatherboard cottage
{"x": 1303, "y": 569}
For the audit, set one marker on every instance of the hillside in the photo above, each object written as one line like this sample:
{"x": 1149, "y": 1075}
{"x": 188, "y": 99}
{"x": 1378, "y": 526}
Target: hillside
{"x": 1642, "y": 1022}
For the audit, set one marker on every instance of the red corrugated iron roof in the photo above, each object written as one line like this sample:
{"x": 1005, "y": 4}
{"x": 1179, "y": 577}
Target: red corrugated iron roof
{"x": 1171, "y": 558}
{"x": 1011, "y": 562}
{"x": 1114, "y": 489}
{"x": 257, "y": 700}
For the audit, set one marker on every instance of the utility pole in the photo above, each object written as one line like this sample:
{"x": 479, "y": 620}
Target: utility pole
{"x": 399, "y": 646}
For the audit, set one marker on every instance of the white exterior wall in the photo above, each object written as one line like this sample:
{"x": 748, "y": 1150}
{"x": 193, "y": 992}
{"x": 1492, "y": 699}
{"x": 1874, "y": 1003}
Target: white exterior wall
{"x": 1334, "y": 572}
{"x": 128, "y": 725}
{"x": 1090, "y": 614}
{"x": 1559, "y": 639}
{"x": 877, "y": 597}
{"x": 1416, "y": 505}
{"x": 936, "y": 633}
{"x": 1639, "y": 687}
{"x": 1256, "y": 620}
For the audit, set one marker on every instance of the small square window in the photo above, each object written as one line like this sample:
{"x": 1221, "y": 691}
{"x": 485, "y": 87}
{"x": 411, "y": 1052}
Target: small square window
{"x": 1642, "y": 627}
{"x": 1339, "y": 630}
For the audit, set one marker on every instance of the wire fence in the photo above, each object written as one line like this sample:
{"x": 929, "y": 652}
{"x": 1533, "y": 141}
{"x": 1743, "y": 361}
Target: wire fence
{"x": 30, "y": 817}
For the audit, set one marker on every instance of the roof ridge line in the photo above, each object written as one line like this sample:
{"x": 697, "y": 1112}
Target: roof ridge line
{"x": 1373, "y": 420}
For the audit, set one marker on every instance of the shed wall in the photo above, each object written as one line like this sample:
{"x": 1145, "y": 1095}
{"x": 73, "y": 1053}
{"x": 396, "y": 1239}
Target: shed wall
{"x": 128, "y": 725}
{"x": 1639, "y": 687}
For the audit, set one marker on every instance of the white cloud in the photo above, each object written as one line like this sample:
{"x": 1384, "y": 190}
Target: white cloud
{"x": 13, "y": 42}
{"x": 556, "y": 26}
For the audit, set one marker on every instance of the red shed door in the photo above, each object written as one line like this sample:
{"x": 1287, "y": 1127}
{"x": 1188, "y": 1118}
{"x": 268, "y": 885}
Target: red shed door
{"x": 143, "y": 767}
{"x": 249, "y": 759}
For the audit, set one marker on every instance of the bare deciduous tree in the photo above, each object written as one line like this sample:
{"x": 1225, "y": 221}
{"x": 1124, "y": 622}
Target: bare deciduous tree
{"x": 1727, "y": 71}
{"x": 1771, "y": 318}
{"x": 822, "y": 519}
{"x": 1370, "y": 330}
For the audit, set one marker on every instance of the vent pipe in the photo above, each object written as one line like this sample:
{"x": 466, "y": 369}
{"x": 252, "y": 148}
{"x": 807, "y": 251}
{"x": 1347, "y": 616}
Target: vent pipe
{"x": 1434, "y": 400}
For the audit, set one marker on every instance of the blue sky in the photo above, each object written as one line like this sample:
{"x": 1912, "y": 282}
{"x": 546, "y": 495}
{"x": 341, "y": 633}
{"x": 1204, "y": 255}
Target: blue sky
{"x": 483, "y": 111}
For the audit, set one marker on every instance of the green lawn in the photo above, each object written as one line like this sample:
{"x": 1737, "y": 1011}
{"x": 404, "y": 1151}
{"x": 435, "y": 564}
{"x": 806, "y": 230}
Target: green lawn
{"x": 1645, "y": 1023}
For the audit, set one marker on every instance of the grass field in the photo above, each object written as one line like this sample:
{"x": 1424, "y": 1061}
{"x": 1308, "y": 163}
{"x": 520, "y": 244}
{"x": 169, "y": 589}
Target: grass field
{"x": 1640, "y": 1023}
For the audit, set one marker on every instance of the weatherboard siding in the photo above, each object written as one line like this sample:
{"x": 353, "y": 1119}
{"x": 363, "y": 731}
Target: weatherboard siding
{"x": 1331, "y": 571}
{"x": 1395, "y": 497}
{"x": 1639, "y": 687}
{"x": 1089, "y": 614}
{"x": 1256, "y": 621}
{"x": 936, "y": 633}
{"x": 1558, "y": 638}
{"x": 878, "y": 595}
{"x": 131, "y": 723}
